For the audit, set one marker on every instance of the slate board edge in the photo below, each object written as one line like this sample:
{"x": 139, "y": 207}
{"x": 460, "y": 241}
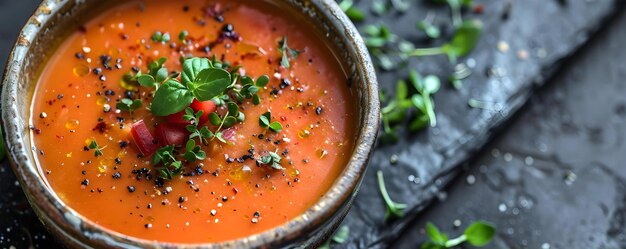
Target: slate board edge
{"x": 482, "y": 136}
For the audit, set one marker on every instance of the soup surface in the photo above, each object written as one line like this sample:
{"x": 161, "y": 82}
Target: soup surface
{"x": 91, "y": 144}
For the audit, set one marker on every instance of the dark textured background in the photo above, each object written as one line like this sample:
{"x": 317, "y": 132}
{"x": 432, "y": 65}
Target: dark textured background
{"x": 552, "y": 178}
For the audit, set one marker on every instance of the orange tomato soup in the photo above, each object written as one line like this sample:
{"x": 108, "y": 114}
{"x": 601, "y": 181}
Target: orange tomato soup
{"x": 228, "y": 195}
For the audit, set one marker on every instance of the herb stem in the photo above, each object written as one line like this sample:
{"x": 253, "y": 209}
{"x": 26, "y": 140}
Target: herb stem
{"x": 429, "y": 108}
{"x": 456, "y": 241}
{"x": 426, "y": 51}
{"x": 220, "y": 127}
{"x": 455, "y": 8}
{"x": 383, "y": 191}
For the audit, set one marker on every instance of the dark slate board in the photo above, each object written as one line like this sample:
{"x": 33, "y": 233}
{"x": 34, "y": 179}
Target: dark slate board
{"x": 555, "y": 175}
{"x": 542, "y": 27}
{"x": 550, "y": 31}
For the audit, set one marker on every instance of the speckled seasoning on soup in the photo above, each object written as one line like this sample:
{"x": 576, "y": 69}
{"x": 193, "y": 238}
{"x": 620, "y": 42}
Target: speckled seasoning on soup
{"x": 192, "y": 121}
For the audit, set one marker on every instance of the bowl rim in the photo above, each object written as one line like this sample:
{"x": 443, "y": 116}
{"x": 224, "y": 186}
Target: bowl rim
{"x": 43, "y": 199}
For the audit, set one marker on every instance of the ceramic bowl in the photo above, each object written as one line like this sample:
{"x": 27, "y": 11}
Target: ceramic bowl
{"x": 55, "y": 19}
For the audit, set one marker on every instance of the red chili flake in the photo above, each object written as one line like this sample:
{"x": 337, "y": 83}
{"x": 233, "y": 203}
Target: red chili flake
{"x": 213, "y": 10}
{"x": 101, "y": 126}
{"x": 283, "y": 118}
{"x": 479, "y": 8}
{"x": 235, "y": 190}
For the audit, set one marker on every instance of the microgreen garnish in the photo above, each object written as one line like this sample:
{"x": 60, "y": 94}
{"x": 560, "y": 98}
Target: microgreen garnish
{"x": 200, "y": 80}
{"x": 455, "y": 8}
{"x": 272, "y": 159}
{"x": 128, "y": 105}
{"x": 429, "y": 29}
{"x": 461, "y": 71}
{"x": 287, "y": 53}
{"x": 93, "y": 145}
{"x": 156, "y": 75}
{"x": 477, "y": 234}
{"x": 161, "y": 37}
{"x": 352, "y": 12}
{"x": 339, "y": 237}
{"x": 265, "y": 122}
{"x": 425, "y": 87}
{"x": 182, "y": 36}
{"x": 394, "y": 209}
{"x": 203, "y": 134}
{"x": 463, "y": 41}
{"x": 170, "y": 166}
{"x": 420, "y": 102}
{"x": 194, "y": 152}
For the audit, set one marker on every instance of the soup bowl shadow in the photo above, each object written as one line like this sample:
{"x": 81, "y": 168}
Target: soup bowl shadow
{"x": 55, "y": 19}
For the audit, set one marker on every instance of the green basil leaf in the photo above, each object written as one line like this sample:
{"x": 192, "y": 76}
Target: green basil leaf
{"x": 479, "y": 233}
{"x": 146, "y": 80}
{"x": 170, "y": 98}
{"x": 191, "y": 68}
{"x": 209, "y": 83}
{"x": 435, "y": 235}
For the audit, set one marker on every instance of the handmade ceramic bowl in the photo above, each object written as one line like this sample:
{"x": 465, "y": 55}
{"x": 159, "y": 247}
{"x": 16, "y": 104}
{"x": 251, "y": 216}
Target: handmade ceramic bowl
{"x": 55, "y": 19}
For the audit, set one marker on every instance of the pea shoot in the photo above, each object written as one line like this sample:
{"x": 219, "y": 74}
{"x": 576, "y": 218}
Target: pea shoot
{"x": 394, "y": 209}
{"x": 93, "y": 145}
{"x": 420, "y": 103}
{"x": 272, "y": 159}
{"x": 339, "y": 237}
{"x": 264, "y": 122}
{"x": 464, "y": 40}
{"x": 429, "y": 29}
{"x": 352, "y": 12}
{"x": 478, "y": 234}
{"x": 128, "y": 105}
{"x": 203, "y": 134}
{"x": 455, "y": 8}
{"x": 287, "y": 53}
{"x": 170, "y": 166}
{"x": 161, "y": 37}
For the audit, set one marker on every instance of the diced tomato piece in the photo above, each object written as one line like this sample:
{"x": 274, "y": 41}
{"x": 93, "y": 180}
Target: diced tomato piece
{"x": 168, "y": 134}
{"x": 143, "y": 138}
{"x": 177, "y": 119}
{"x": 207, "y": 107}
